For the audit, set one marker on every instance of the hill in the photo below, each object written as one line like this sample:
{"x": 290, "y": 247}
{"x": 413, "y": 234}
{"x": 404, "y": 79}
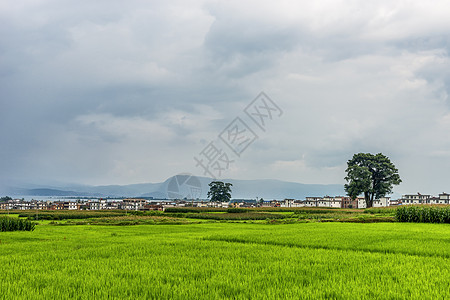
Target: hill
{"x": 181, "y": 186}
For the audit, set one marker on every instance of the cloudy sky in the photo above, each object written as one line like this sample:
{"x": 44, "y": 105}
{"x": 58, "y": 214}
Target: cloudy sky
{"x": 120, "y": 92}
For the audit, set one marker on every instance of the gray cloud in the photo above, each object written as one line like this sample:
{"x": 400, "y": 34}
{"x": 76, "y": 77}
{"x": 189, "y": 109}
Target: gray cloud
{"x": 111, "y": 92}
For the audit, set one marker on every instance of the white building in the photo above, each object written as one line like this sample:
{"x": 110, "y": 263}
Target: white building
{"x": 312, "y": 201}
{"x": 445, "y": 198}
{"x": 382, "y": 202}
{"x": 361, "y": 202}
{"x": 415, "y": 199}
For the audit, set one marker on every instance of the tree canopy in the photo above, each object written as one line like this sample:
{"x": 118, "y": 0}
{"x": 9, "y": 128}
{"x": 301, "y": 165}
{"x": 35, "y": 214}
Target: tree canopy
{"x": 373, "y": 175}
{"x": 4, "y": 199}
{"x": 219, "y": 191}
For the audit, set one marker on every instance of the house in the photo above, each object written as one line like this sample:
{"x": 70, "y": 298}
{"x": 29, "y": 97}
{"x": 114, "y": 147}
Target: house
{"x": 347, "y": 202}
{"x": 445, "y": 198}
{"x": 287, "y": 203}
{"x": 324, "y": 201}
{"x": 415, "y": 199}
{"x": 153, "y": 207}
{"x": 361, "y": 202}
{"x": 327, "y": 201}
{"x": 132, "y": 204}
{"x": 312, "y": 201}
{"x": 94, "y": 205}
{"x": 382, "y": 202}
{"x": 4, "y": 205}
{"x": 395, "y": 202}
{"x": 336, "y": 202}
{"x": 73, "y": 206}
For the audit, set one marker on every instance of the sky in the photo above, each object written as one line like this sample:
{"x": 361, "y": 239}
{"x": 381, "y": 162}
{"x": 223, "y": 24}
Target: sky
{"x": 121, "y": 92}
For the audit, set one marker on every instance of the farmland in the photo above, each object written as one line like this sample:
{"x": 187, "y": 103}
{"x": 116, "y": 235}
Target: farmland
{"x": 216, "y": 260}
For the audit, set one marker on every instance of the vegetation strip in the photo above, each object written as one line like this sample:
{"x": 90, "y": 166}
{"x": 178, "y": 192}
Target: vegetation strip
{"x": 423, "y": 214}
{"x": 15, "y": 224}
{"x": 292, "y": 245}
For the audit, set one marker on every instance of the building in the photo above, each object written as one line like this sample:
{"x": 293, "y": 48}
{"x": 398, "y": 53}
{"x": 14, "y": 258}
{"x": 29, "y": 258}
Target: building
{"x": 416, "y": 199}
{"x": 312, "y": 201}
{"x": 133, "y": 204}
{"x": 347, "y": 202}
{"x": 382, "y": 202}
{"x": 361, "y": 202}
{"x": 444, "y": 197}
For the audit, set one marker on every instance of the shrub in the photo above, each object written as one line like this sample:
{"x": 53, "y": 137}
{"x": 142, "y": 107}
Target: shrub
{"x": 240, "y": 216}
{"x": 390, "y": 210}
{"x": 15, "y": 224}
{"x": 193, "y": 209}
{"x": 154, "y": 213}
{"x": 236, "y": 210}
{"x": 64, "y": 215}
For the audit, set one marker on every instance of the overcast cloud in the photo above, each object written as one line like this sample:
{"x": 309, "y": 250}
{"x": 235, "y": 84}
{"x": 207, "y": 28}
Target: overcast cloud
{"x": 114, "y": 92}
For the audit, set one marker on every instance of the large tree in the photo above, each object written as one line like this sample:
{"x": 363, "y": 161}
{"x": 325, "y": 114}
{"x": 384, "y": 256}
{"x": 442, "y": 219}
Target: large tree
{"x": 219, "y": 191}
{"x": 373, "y": 175}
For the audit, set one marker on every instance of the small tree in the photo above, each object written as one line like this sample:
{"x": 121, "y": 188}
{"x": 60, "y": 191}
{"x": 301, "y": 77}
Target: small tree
{"x": 219, "y": 191}
{"x": 5, "y": 199}
{"x": 261, "y": 202}
{"x": 373, "y": 175}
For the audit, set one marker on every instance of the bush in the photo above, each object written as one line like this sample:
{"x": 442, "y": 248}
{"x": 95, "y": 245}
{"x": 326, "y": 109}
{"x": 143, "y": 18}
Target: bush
{"x": 390, "y": 210}
{"x": 423, "y": 214}
{"x": 193, "y": 209}
{"x": 240, "y": 216}
{"x": 64, "y": 214}
{"x": 154, "y": 213}
{"x": 15, "y": 224}
{"x": 236, "y": 210}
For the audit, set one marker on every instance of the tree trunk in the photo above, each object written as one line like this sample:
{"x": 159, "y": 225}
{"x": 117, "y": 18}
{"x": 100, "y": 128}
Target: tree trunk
{"x": 369, "y": 199}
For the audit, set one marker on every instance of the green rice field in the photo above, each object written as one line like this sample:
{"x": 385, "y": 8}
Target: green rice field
{"x": 227, "y": 261}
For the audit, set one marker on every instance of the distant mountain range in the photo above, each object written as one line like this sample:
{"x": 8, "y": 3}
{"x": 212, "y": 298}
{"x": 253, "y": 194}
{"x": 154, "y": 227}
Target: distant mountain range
{"x": 185, "y": 186}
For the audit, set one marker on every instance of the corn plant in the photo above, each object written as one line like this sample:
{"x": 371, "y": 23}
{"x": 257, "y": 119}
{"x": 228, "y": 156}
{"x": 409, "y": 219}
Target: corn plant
{"x": 423, "y": 214}
{"x": 15, "y": 224}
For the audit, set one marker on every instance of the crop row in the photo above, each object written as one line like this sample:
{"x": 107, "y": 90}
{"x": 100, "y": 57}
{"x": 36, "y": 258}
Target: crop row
{"x": 64, "y": 215}
{"x": 312, "y": 210}
{"x": 423, "y": 214}
{"x": 237, "y": 216}
{"x": 15, "y": 224}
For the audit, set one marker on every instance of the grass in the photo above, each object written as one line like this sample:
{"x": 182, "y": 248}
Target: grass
{"x": 228, "y": 261}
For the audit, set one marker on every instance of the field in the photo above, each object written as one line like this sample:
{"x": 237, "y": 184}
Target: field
{"x": 317, "y": 260}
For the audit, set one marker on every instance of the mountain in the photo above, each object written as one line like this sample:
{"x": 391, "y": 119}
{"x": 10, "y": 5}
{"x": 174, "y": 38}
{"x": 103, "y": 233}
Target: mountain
{"x": 50, "y": 192}
{"x": 187, "y": 186}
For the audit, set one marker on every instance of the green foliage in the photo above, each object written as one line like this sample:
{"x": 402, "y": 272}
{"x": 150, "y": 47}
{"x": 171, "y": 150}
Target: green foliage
{"x": 387, "y": 211}
{"x": 69, "y": 214}
{"x": 144, "y": 213}
{"x": 236, "y": 210}
{"x": 153, "y": 213}
{"x": 373, "y": 175}
{"x": 15, "y": 224}
{"x": 423, "y": 214}
{"x": 219, "y": 191}
{"x": 238, "y": 216}
{"x": 4, "y": 199}
{"x": 193, "y": 209}
{"x": 128, "y": 221}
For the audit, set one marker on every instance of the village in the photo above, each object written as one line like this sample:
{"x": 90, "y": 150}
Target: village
{"x": 69, "y": 203}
